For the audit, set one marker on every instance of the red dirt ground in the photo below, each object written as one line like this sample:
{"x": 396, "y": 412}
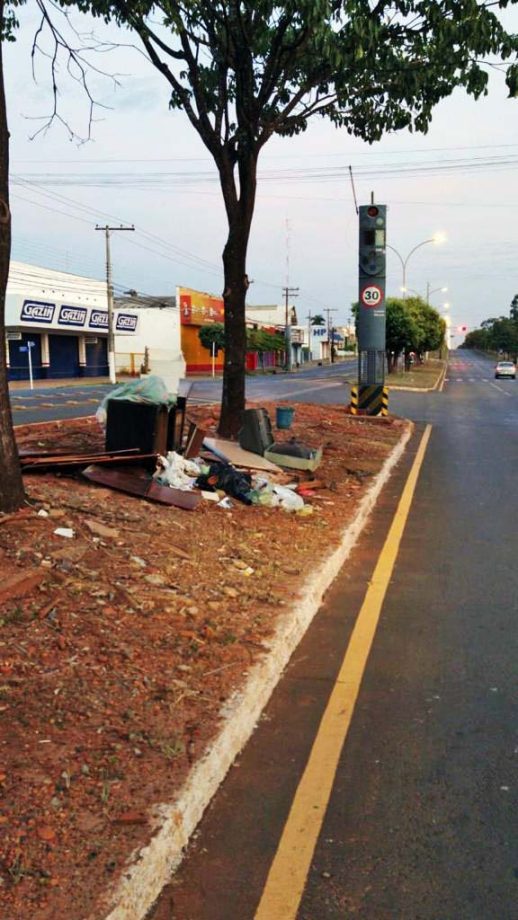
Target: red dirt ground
{"x": 119, "y": 646}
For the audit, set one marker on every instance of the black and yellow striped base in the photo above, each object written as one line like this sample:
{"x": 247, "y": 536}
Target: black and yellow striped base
{"x": 369, "y": 399}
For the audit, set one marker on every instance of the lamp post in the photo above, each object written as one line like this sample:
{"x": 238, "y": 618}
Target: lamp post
{"x": 430, "y": 291}
{"x": 447, "y": 322}
{"x": 436, "y": 238}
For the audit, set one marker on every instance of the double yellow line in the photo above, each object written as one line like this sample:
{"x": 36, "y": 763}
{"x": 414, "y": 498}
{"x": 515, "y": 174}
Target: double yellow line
{"x": 287, "y": 877}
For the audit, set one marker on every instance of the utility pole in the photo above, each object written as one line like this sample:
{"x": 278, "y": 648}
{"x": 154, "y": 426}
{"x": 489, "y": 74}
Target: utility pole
{"x": 288, "y": 292}
{"x": 329, "y": 332}
{"x": 109, "y": 292}
{"x": 310, "y": 353}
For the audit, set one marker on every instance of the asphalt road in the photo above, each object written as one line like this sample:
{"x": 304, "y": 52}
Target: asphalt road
{"x": 421, "y": 819}
{"x": 46, "y": 403}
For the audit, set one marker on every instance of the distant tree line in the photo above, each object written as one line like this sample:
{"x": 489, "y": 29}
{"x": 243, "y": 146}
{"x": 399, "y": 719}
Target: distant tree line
{"x": 413, "y": 327}
{"x": 258, "y": 341}
{"x": 498, "y": 334}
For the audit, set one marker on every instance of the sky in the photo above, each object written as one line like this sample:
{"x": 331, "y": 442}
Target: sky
{"x": 145, "y": 166}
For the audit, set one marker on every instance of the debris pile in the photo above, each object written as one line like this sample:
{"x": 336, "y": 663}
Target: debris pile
{"x": 148, "y": 454}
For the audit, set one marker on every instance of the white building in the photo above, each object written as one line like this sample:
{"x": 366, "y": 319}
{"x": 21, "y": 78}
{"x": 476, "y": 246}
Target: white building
{"x": 271, "y": 314}
{"x": 63, "y": 320}
{"x": 319, "y": 345}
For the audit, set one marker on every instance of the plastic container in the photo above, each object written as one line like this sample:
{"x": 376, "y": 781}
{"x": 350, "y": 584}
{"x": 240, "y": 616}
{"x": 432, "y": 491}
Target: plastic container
{"x": 284, "y": 416}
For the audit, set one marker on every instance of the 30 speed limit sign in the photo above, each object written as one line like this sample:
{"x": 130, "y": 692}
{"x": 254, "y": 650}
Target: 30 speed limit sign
{"x": 371, "y": 296}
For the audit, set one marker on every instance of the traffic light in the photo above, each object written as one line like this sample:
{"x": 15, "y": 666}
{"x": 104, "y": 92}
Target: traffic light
{"x": 462, "y": 328}
{"x": 372, "y": 240}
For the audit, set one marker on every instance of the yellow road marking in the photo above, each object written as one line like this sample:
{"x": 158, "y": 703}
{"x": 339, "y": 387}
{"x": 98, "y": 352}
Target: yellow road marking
{"x": 287, "y": 877}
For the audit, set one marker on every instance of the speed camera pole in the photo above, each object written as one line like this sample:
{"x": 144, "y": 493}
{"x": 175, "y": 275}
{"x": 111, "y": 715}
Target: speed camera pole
{"x": 371, "y": 309}
{"x": 109, "y": 294}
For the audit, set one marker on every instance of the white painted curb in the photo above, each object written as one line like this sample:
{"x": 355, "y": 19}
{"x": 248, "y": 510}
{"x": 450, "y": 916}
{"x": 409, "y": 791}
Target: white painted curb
{"x": 151, "y": 868}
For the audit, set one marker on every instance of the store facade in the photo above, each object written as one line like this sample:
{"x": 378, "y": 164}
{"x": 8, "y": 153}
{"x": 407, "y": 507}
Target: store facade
{"x": 60, "y": 322}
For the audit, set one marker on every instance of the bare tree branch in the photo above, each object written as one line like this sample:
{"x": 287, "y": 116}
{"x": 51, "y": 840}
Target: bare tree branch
{"x": 78, "y": 68}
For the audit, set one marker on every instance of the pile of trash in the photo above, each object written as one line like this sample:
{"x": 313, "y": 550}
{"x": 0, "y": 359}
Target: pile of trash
{"x": 216, "y": 477}
{"x": 154, "y": 451}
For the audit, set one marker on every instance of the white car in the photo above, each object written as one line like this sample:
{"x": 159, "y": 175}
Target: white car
{"x": 505, "y": 369}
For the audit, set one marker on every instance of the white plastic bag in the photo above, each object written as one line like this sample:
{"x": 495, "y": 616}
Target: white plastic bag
{"x": 289, "y": 500}
{"x": 177, "y": 472}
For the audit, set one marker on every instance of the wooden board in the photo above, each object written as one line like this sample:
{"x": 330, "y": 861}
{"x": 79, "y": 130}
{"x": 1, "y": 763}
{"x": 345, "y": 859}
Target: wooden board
{"x": 231, "y": 451}
{"x": 135, "y": 483}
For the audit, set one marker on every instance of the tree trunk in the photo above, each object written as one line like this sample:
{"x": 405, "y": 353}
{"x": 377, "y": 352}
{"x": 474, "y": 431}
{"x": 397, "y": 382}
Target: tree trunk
{"x": 11, "y": 484}
{"x": 239, "y": 214}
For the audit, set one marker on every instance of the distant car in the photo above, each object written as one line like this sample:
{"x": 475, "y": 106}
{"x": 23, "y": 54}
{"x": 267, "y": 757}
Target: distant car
{"x": 505, "y": 369}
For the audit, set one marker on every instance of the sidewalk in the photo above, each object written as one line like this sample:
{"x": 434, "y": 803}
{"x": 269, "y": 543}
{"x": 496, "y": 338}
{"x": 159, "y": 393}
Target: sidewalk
{"x": 66, "y": 382}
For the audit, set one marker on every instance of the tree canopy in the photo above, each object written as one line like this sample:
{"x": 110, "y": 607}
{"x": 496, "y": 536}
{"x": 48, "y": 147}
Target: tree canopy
{"x": 212, "y": 334}
{"x": 411, "y": 325}
{"x": 500, "y": 335}
{"x": 243, "y": 70}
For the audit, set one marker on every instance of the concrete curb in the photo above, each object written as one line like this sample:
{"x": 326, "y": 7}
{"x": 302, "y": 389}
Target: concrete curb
{"x": 52, "y": 421}
{"x": 436, "y": 385}
{"x": 151, "y": 868}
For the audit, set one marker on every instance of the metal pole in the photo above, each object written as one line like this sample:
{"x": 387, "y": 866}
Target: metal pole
{"x": 109, "y": 291}
{"x": 288, "y": 292}
{"x": 287, "y": 361}
{"x": 310, "y": 354}
{"x": 328, "y": 310}
{"x": 29, "y": 354}
{"x": 109, "y": 294}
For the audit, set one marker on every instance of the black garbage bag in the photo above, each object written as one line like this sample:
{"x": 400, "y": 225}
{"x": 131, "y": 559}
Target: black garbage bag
{"x": 225, "y": 476}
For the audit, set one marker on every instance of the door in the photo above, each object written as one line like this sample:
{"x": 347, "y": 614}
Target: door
{"x": 64, "y": 356}
{"x": 96, "y": 357}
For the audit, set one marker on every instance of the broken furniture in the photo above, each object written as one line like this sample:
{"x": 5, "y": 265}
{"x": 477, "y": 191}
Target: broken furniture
{"x": 295, "y": 456}
{"x": 256, "y": 435}
{"x": 148, "y": 427}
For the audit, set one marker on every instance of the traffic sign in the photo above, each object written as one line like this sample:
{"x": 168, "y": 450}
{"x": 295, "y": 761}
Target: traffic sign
{"x": 371, "y": 296}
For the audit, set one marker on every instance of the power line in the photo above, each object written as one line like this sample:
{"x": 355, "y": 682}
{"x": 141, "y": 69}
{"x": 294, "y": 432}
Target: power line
{"x": 171, "y": 179}
{"x": 305, "y": 156}
{"x": 193, "y": 259}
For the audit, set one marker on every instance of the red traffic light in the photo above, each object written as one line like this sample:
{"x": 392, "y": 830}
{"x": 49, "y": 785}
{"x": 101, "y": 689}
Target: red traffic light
{"x": 372, "y": 211}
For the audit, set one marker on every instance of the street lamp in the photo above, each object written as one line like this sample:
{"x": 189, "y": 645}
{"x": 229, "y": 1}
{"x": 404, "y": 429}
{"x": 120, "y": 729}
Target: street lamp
{"x": 447, "y": 322}
{"x": 433, "y": 291}
{"x": 436, "y": 238}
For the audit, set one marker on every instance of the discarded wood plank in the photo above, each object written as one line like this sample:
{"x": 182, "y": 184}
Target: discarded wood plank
{"x": 194, "y": 443}
{"x": 140, "y": 484}
{"x": 234, "y": 454}
{"x": 75, "y": 461}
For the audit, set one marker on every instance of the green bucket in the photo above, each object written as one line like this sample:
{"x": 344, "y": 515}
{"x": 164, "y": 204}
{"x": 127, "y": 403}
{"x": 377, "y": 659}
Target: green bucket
{"x": 284, "y": 416}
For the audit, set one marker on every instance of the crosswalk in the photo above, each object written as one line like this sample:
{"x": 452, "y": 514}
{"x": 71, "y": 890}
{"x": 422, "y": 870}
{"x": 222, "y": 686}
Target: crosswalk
{"x": 471, "y": 380}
